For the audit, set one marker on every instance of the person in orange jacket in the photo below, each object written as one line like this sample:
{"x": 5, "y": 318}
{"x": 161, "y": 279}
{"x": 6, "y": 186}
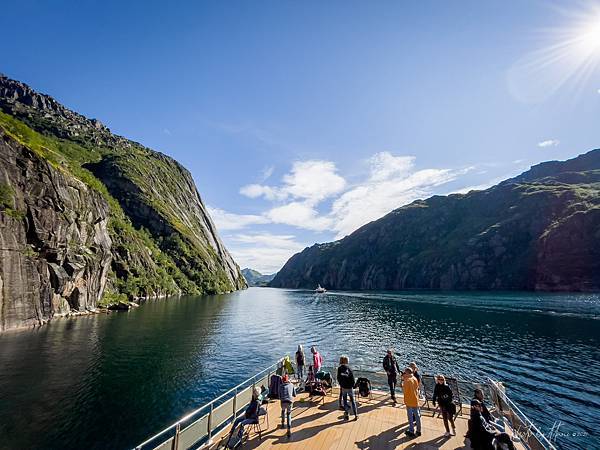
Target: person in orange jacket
{"x": 410, "y": 387}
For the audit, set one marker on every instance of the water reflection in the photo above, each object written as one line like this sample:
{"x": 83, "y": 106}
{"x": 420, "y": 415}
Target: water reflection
{"x": 110, "y": 381}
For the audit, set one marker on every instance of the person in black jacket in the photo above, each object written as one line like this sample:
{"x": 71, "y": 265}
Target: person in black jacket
{"x": 443, "y": 395}
{"x": 345, "y": 379}
{"x": 250, "y": 415}
{"x": 483, "y": 433}
{"x": 478, "y": 395}
{"x": 390, "y": 365}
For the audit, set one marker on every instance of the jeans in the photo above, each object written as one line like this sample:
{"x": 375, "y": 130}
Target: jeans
{"x": 300, "y": 373}
{"x": 241, "y": 421}
{"x": 392, "y": 380}
{"x": 345, "y": 394}
{"x": 414, "y": 415}
{"x": 286, "y": 411}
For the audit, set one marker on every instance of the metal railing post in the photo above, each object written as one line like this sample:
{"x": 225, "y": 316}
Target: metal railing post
{"x": 175, "y": 444}
{"x": 210, "y": 414}
{"x": 235, "y": 404}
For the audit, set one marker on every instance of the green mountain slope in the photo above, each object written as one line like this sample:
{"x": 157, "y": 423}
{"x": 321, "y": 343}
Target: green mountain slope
{"x": 255, "y": 278}
{"x": 537, "y": 231}
{"x": 73, "y": 193}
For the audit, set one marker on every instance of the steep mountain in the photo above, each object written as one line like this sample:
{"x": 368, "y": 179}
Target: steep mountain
{"x": 537, "y": 231}
{"x": 255, "y": 278}
{"x": 88, "y": 217}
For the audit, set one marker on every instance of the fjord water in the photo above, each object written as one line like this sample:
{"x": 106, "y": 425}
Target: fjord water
{"x": 110, "y": 381}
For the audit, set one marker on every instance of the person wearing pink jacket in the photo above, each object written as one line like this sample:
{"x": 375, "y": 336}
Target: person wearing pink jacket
{"x": 317, "y": 359}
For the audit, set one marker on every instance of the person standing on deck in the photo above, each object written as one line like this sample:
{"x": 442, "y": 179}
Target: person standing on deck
{"x": 287, "y": 392}
{"x": 317, "y": 359}
{"x": 391, "y": 367}
{"x": 300, "y": 362}
{"x": 443, "y": 395}
{"x": 410, "y": 387}
{"x": 415, "y": 371}
{"x": 345, "y": 379}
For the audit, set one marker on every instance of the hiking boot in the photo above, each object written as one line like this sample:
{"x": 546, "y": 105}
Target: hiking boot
{"x": 418, "y": 433}
{"x": 356, "y": 417}
{"x": 289, "y": 433}
{"x": 447, "y": 434}
{"x": 346, "y": 416}
{"x": 409, "y": 433}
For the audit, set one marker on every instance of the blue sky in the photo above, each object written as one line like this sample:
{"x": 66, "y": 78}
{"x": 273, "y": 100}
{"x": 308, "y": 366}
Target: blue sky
{"x": 301, "y": 121}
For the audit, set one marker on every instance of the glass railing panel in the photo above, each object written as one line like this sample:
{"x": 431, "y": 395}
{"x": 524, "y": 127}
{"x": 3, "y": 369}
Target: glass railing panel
{"x": 193, "y": 433}
{"x": 167, "y": 445}
{"x": 222, "y": 413}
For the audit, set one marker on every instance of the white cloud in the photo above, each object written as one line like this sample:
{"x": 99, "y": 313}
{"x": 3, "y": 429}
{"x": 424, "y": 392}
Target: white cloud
{"x": 549, "y": 143}
{"x": 231, "y": 221}
{"x": 598, "y": 91}
{"x": 258, "y": 190}
{"x": 264, "y": 252}
{"x": 167, "y": 131}
{"x": 267, "y": 172}
{"x": 299, "y": 214}
{"x": 384, "y": 165}
{"x": 376, "y": 197}
{"x": 312, "y": 181}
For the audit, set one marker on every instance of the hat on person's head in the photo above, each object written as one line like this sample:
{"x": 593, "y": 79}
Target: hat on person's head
{"x": 475, "y": 402}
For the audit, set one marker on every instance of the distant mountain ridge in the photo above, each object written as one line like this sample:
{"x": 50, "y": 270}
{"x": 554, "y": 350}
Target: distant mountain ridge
{"x": 88, "y": 217}
{"x": 537, "y": 231}
{"x": 255, "y": 278}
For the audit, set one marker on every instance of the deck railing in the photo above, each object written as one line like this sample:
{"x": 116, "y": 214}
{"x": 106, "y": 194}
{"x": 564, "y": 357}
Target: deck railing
{"x": 524, "y": 428}
{"x": 199, "y": 426}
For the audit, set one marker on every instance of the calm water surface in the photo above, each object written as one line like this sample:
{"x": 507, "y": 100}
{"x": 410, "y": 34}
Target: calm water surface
{"x": 108, "y": 382}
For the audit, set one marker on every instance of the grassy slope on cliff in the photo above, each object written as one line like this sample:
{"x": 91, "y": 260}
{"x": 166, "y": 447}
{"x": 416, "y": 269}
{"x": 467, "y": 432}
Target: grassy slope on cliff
{"x": 140, "y": 266}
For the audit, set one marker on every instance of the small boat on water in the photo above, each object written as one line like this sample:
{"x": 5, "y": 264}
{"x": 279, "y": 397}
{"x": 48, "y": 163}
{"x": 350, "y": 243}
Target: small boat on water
{"x": 320, "y": 289}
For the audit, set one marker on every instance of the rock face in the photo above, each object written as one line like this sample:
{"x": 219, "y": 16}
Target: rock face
{"x": 538, "y": 231}
{"x": 88, "y": 217}
{"x": 54, "y": 241}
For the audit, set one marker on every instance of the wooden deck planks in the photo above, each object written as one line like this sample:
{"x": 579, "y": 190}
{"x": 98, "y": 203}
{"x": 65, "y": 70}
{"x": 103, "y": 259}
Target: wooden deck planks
{"x": 320, "y": 426}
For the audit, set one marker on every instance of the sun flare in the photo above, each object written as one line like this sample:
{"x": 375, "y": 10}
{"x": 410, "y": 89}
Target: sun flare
{"x": 569, "y": 58}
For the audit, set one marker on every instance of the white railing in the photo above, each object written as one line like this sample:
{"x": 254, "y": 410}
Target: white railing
{"x": 199, "y": 426}
{"x": 524, "y": 428}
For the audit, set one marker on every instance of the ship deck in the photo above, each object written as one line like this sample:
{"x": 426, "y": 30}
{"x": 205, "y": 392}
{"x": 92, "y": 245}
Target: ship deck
{"x": 319, "y": 425}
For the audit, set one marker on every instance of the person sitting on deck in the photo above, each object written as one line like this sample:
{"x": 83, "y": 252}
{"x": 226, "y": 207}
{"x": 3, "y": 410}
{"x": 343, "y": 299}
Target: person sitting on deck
{"x": 345, "y": 379}
{"x": 482, "y": 433}
{"x": 287, "y": 392}
{"x": 391, "y": 367}
{"x": 478, "y": 395}
{"x": 250, "y": 416}
{"x": 317, "y": 359}
{"x": 443, "y": 395}
{"x": 410, "y": 387}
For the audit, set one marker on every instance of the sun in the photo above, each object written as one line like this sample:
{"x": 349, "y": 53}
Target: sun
{"x": 590, "y": 37}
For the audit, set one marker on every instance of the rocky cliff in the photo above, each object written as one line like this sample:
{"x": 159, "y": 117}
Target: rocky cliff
{"x": 88, "y": 217}
{"x": 537, "y": 231}
{"x": 255, "y": 278}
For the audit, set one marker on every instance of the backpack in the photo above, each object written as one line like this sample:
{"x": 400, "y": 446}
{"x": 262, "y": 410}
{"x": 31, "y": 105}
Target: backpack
{"x": 364, "y": 387}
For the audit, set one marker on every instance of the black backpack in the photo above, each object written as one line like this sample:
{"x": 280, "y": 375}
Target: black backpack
{"x": 364, "y": 387}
